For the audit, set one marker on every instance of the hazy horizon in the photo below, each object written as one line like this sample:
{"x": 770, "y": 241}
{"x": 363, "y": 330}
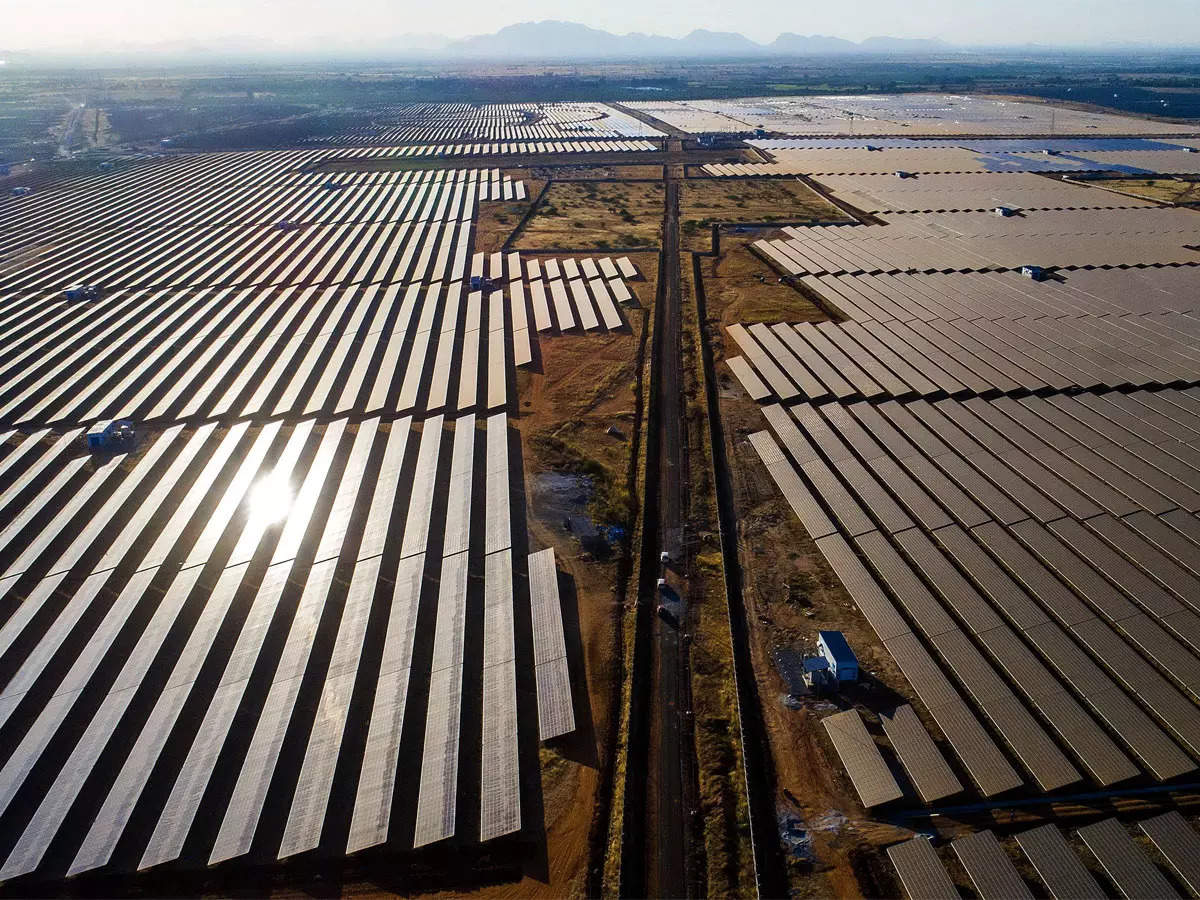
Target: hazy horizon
{"x": 306, "y": 25}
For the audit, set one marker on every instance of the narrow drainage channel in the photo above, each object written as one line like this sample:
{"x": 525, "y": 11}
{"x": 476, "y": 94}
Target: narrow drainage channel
{"x": 769, "y": 871}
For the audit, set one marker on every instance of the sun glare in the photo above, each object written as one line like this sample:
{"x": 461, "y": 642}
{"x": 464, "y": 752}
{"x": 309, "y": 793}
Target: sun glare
{"x": 270, "y": 499}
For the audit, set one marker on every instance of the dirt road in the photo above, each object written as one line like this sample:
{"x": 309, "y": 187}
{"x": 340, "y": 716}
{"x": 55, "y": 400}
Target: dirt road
{"x": 672, "y": 762}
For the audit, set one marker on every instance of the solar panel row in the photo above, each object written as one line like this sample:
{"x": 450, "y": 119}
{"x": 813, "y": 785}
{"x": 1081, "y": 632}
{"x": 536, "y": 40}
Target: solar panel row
{"x": 965, "y": 242}
{"x": 992, "y": 872}
{"x": 870, "y": 359}
{"x": 558, "y": 123}
{"x": 1097, "y": 585}
{"x": 556, "y": 713}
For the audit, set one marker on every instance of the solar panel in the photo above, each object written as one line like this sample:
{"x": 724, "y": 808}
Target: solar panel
{"x": 747, "y": 377}
{"x": 438, "y": 786}
{"x": 541, "y": 311}
{"x": 458, "y": 497}
{"x": 974, "y": 747}
{"x": 1177, "y": 841}
{"x": 1066, "y": 878}
{"x": 620, "y": 291}
{"x": 864, "y": 764}
{"x": 562, "y": 303}
{"x": 171, "y": 830}
{"x": 315, "y": 781}
{"x": 350, "y": 482}
{"x": 468, "y": 384}
{"x": 497, "y": 511}
{"x": 371, "y": 819}
{"x": 1133, "y": 874}
{"x": 926, "y": 766}
{"x": 583, "y": 305}
{"x": 797, "y": 494}
{"x": 437, "y": 796}
{"x": 128, "y": 784}
{"x": 863, "y": 588}
{"x": 921, "y": 872}
{"x": 420, "y": 507}
{"x": 604, "y": 300}
{"x": 500, "y": 774}
{"x": 991, "y": 871}
{"x": 497, "y": 382}
{"x": 387, "y": 482}
{"x": 516, "y": 303}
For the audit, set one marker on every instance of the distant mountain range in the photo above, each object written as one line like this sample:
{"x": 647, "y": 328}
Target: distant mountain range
{"x": 547, "y": 40}
{"x": 541, "y": 40}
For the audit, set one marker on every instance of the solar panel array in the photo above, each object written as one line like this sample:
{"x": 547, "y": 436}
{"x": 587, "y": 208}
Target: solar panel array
{"x": 1056, "y": 864}
{"x": 1121, "y": 864}
{"x": 938, "y": 357}
{"x": 980, "y": 241}
{"x": 565, "y": 293}
{"x": 295, "y": 585}
{"x": 1178, "y": 844}
{"x": 1015, "y": 191}
{"x": 515, "y": 148}
{"x": 893, "y": 114}
{"x": 1074, "y": 533}
{"x": 551, "y": 125}
{"x": 556, "y": 715}
{"x": 1005, "y": 475}
{"x": 948, "y": 158}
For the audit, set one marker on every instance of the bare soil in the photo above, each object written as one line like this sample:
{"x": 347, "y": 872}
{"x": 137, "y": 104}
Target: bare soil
{"x": 596, "y": 214}
{"x": 1168, "y": 190}
{"x": 708, "y": 200}
{"x": 496, "y": 221}
{"x": 593, "y": 173}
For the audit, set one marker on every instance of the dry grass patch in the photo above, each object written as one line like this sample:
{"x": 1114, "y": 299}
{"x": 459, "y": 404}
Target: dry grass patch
{"x": 740, "y": 287}
{"x": 704, "y": 201}
{"x": 599, "y": 215}
{"x": 591, "y": 173}
{"x": 496, "y": 220}
{"x": 1164, "y": 190}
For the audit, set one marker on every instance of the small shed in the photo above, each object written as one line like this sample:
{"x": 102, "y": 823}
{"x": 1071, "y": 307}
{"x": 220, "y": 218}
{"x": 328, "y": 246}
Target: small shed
{"x": 843, "y": 664}
{"x": 106, "y": 435}
{"x": 82, "y": 292}
{"x": 1035, "y": 273}
{"x": 1004, "y": 211}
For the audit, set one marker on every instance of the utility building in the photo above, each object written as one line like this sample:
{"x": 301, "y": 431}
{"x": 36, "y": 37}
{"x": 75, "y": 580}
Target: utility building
{"x": 843, "y": 664}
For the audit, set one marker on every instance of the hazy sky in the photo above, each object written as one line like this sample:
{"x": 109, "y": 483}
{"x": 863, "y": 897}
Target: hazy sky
{"x": 32, "y": 24}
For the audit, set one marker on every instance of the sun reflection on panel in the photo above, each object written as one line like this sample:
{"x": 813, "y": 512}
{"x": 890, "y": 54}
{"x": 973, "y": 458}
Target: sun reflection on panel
{"x": 269, "y": 500}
